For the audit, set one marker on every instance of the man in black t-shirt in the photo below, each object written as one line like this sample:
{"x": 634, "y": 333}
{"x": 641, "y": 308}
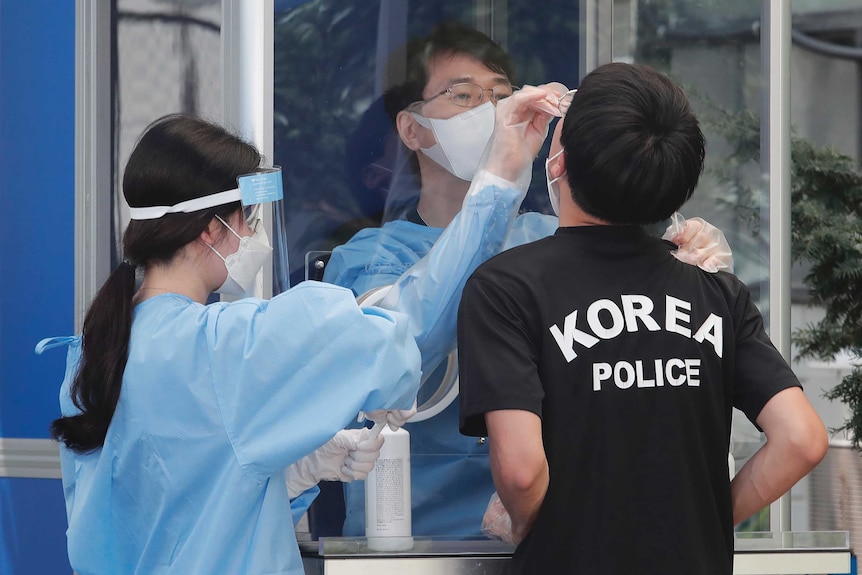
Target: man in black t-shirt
{"x": 604, "y": 371}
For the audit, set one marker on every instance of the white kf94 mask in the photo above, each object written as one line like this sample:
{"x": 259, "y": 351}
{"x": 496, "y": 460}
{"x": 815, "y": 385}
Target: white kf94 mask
{"x": 461, "y": 139}
{"x": 244, "y": 264}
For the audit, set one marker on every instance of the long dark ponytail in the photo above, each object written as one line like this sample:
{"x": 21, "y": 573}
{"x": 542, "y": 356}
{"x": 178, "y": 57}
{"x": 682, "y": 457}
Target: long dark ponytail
{"x": 177, "y": 158}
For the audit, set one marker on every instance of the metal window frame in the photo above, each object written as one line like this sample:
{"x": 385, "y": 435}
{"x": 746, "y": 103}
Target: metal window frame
{"x": 595, "y": 48}
{"x": 92, "y": 151}
{"x": 247, "y": 34}
{"x": 29, "y": 458}
{"x": 775, "y": 151}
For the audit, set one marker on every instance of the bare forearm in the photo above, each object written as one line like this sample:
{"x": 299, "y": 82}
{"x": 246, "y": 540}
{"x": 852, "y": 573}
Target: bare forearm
{"x": 523, "y": 502}
{"x": 791, "y": 452}
{"x": 519, "y": 466}
{"x": 752, "y": 488}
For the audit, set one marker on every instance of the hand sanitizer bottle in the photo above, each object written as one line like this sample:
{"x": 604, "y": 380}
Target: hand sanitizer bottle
{"x": 388, "y": 519}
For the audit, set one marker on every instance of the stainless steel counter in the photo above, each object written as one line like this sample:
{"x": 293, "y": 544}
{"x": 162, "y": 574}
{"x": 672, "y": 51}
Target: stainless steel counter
{"x": 792, "y": 553}
{"x": 429, "y": 556}
{"x": 788, "y": 553}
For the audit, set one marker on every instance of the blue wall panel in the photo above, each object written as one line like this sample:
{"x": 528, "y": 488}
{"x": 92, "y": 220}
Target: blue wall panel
{"x": 37, "y": 122}
{"x": 37, "y": 185}
{"x": 33, "y": 525}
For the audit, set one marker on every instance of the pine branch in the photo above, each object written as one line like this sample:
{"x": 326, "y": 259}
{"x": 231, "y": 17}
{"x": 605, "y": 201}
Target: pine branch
{"x": 826, "y": 235}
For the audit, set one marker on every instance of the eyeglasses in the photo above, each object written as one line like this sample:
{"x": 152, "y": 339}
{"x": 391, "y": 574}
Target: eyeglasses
{"x": 469, "y": 95}
{"x": 565, "y": 101}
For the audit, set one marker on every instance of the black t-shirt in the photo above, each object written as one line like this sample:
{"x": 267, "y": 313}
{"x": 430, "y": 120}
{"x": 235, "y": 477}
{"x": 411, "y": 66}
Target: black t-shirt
{"x": 634, "y": 361}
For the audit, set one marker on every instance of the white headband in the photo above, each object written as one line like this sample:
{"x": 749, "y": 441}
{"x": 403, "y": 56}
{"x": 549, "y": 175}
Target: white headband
{"x": 154, "y": 212}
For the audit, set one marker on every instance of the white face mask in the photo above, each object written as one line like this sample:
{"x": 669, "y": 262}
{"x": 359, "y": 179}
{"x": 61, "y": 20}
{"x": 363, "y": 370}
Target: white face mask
{"x": 553, "y": 186}
{"x": 461, "y": 139}
{"x": 244, "y": 264}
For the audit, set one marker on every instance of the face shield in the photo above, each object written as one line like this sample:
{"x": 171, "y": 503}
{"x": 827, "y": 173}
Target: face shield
{"x": 260, "y": 192}
{"x": 260, "y": 187}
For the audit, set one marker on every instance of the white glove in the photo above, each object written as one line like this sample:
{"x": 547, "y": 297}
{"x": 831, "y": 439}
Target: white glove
{"x": 347, "y": 456}
{"x": 700, "y": 243}
{"x": 496, "y": 522}
{"x": 394, "y": 417}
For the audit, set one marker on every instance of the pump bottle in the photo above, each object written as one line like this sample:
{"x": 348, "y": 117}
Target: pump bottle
{"x": 388, "y": 518}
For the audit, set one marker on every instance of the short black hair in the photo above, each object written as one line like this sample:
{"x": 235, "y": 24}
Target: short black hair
{"x": 447, "y": 38}
{"x": 634, "y": 149}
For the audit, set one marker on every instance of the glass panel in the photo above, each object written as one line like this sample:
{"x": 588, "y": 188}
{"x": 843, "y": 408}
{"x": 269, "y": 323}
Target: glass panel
{"x": 826, "y": 115}
{"x": 341, "y": 77}
{"x": 344, "y": 168}
{"x": 713, "y": 50}
{"x": 167, "y": 58}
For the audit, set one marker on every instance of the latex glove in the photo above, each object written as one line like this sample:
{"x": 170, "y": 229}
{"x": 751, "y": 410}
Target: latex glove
{"x": 520, "y": 129}
{"x": 700, "y": 243}
{"x": 496, "y": 522}
{"x": 554, "y": 91}
{"x": 360, "y": 461}
{"x": 396, "y": 418}
{"x": 347, "y": 456}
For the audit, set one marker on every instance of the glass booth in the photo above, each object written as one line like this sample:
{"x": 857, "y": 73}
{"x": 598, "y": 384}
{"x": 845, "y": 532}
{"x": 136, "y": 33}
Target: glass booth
{"x": 321, "y": 104}
{"x": 337, "y": 66}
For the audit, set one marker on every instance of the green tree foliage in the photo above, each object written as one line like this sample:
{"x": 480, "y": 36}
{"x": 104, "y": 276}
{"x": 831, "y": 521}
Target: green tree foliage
{"x": 826, "y": 237}
{"x": 827, "y": 234}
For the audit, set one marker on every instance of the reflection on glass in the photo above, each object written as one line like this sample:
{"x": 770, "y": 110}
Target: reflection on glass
{"x": 345, "y": 168}
{"x": 346, "y": 73}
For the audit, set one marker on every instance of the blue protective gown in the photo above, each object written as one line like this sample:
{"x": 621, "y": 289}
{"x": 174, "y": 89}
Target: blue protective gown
{"x": 451, "y": 476}
{"x": 216, "y": 402}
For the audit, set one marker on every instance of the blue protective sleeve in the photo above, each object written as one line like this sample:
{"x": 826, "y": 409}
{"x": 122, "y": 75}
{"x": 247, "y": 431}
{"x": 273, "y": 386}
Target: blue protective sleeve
{"x": 309, "y": 359}
{"x": 300, "y": 504}
{"x": 429, "y": 291}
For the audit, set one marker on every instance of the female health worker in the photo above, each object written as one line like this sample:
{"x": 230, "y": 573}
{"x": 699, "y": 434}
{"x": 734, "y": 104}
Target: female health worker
{"x": 191, "y": 431}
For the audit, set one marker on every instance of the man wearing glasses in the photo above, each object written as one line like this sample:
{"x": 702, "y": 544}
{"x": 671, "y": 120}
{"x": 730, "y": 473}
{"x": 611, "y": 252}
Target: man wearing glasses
{"x": 464, "y": 215}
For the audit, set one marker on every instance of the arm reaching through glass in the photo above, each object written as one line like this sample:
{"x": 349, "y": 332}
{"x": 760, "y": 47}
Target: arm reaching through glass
{"x": 700, "y": 243}
{"x": 429, "y": 291}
